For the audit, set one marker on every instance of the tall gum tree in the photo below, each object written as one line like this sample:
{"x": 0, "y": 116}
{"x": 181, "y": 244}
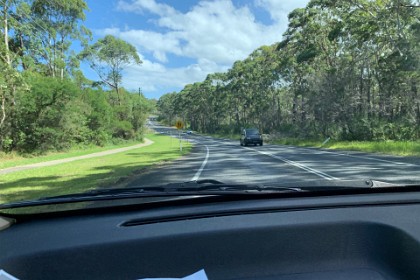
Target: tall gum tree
{"x": 108, "y": 57}
{"x": 10, "y": 78}
{"x": 56, "y": 24}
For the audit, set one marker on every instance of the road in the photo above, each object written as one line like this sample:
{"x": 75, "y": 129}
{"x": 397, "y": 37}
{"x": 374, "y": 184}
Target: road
{"x": 226, "y": 161}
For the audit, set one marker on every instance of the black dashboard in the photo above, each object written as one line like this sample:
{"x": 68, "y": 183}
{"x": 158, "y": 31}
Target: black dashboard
{"x": 360, "y": 236}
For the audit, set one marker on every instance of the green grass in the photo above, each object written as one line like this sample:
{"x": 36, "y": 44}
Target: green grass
{"x": 400, "y": 148}
{"x": 13, "y": 159}
{"x": 298, "y": 142}
{"x": 87, "y": 174}
{"x": 224, "y": 135}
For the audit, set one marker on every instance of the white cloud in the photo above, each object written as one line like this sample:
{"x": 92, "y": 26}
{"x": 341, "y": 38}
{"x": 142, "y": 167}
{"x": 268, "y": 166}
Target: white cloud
{"x": 156, "y": 43}
{"x": 213, "y": 33}
{"x": 140, "y": 6}
{"x": 279, "y": 10}
{"x": 154, "y": 77}
{"x": 216, "y": 31}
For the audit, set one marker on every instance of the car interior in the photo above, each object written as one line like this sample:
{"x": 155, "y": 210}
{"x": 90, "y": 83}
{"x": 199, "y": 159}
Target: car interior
{"x": 367, "y": 235}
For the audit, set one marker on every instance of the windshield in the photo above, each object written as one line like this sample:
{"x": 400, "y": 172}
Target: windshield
{"x": 252, "y": 132}
{"x": 98, "y": 95}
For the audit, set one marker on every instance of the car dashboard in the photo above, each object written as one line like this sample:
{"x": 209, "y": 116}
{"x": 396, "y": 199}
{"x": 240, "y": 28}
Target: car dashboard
{"x": 354, "y": 236}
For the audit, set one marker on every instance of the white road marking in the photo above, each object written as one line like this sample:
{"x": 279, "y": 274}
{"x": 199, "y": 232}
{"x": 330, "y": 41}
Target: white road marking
{"x": 298, "y": 165}
{"x": 197, "y": 175}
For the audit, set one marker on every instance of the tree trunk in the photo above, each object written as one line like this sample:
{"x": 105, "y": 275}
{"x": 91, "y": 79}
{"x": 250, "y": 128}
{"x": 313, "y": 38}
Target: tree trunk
{"x": 3, "y": 112}
{"x": 278, "y": 111}
{"x": 303, "y": 112}
{"x": 62, "y": 57}
{"x": 294, "y": 108}
{"x": 117, "y": 88}
{"x": 22, "y": 46}
{"x": 6, "y": 34}
{"x": 368, "y": 94}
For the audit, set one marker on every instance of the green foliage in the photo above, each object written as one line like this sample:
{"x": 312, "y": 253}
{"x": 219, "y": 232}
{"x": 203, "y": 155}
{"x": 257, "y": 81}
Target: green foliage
{"x": 349, "y": 70}
{"x": 309, "y": 53}
{"x": 56, "y": 115}
{"x": 108, "y": 56}
{"x": 46, "y": 103}
{"x": 123, "y": 129}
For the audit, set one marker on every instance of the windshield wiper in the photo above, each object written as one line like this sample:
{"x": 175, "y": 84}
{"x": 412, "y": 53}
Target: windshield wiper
{"x": 200, "y": 188}
{"x": 189, "y": 188}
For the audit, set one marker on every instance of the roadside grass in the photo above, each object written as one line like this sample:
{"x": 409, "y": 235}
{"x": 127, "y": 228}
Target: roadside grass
{"x": 223, "y": 135}
{"x": 298, "y": 142}
{"x": 398, "y": 148}
{"x": 87, "y": 174}
{"x": 14, "y": 159}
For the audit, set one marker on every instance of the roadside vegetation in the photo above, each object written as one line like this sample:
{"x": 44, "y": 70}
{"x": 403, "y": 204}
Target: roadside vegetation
{"x": 108, "y": 171}
{"x": 351, "y": 76}
{"x": 46, "y": 103}
{"x": 399, "y": 148}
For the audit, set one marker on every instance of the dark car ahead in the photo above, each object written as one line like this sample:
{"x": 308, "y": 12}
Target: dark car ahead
{"x": 251, "y": 136}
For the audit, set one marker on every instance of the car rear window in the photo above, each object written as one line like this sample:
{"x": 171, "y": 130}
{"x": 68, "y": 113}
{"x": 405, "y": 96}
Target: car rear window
{"x": 252, "y": 131}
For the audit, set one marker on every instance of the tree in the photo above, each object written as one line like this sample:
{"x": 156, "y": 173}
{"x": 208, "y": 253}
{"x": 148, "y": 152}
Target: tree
{"x": 10, "y": 79}
{"x": 55, "y": 23}
{"x": 108, "y": 57}
{"x": 344, "y": 68}
{"x": 46, "y": 103}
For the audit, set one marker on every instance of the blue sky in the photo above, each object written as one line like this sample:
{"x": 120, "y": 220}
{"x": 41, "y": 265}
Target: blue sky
{"x": 181, "y": 41}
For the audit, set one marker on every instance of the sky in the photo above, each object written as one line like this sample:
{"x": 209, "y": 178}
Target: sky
{"x": 182, "y": 41}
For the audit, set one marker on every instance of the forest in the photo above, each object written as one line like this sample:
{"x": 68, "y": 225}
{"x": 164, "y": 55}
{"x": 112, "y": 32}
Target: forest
{"x": 346, "y": 69}
{"x": 46, "y": 102}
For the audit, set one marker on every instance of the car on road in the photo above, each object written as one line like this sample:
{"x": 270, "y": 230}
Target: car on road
{"x": 188, "y": 132}
{"x": 251, "y": 136}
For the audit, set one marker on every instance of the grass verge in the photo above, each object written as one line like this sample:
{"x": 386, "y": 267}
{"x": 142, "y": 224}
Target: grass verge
{"x": 299, "y": 142}
{"x": 13, "y": 159}
{"x": 223, "y": 135}
{"x": 399, "y": 148}
{"x": 87, "y": 174}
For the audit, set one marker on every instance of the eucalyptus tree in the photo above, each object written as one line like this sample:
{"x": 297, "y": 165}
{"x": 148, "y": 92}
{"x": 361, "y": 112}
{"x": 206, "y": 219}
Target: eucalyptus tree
{"x": 377, "y": 51}
{"x": 56, "y": 24}
{"x": 108, "y": 57}
{"x": 347, "y": 69}
{"x": 166, "y": 107}
{"x": 10, "y": 78}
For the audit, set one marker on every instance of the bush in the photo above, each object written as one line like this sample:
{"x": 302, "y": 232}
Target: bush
{"x": 6, "y": 144}
{"x": 101, "y": 138}
{"x": 123, "y": 129}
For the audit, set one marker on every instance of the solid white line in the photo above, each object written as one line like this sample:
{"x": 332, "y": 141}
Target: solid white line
{"x": 298, "y": 165}
{"x": 197, "y": 175}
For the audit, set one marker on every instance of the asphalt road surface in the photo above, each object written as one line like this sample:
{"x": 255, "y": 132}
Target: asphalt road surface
{"x": 226, "y": 161}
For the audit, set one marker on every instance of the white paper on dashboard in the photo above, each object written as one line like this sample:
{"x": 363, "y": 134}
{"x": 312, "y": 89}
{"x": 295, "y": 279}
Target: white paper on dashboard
{"x": 199, "y": 275}
{"x": 6, "y": 276}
